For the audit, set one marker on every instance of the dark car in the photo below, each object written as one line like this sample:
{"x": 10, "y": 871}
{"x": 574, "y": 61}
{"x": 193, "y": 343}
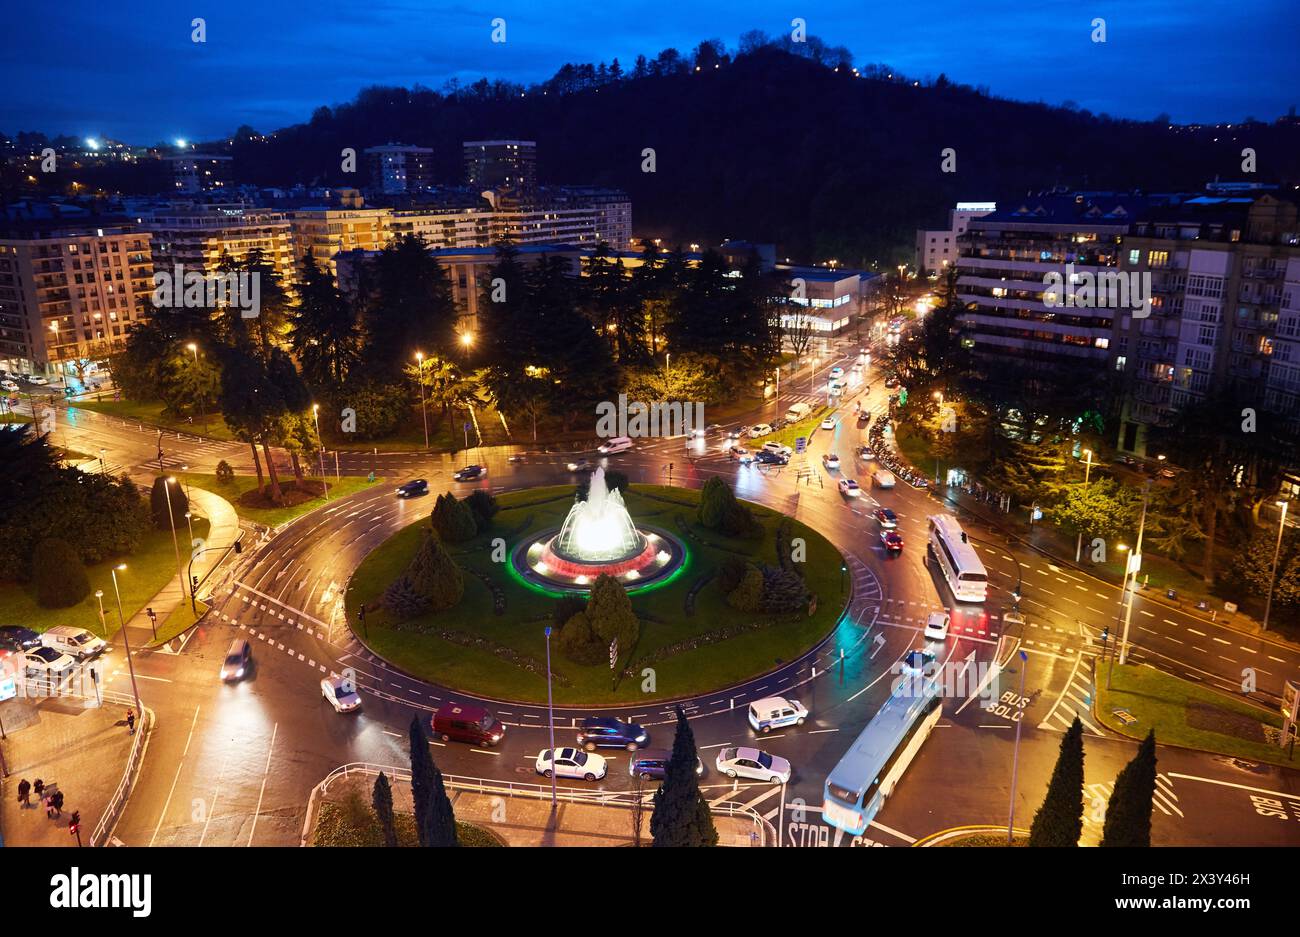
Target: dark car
{"x": 888, "y": 519}
{"x": 603, "y": 732}
{"x": 652, "y": 763}
{"x": 770, "y": 458}
{"x": 470, "y": 473}
{"x": 462, "y": 722}
{"x": 17, "y": 638}
{"x": 892, "y": 540}
{"x": 891, "y": 382}
{"x": 411, "y": 489}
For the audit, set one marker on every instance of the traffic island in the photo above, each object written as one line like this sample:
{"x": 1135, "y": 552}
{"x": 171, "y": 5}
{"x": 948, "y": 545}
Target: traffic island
{"x": 1188, "y": 715}
{"x": 692, "y": 637}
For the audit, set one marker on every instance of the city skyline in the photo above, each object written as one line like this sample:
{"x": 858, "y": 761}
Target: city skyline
{"x": 270, "y": 78}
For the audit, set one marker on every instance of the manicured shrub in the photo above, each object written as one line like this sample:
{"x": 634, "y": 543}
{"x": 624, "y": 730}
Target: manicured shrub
{"x": 435, "y": 575}
{"x": 483, "y": 506}
{"x": 58, "y": 575}
{"x": 453, "y": 520}
{"x": 783, "y": 590}
{"x": 578, "y": 644}
{"x": 565, "y": 607}
{"x": 748, "y": 596}
{"x": 225, "y": 474}
{"x": 730, "y": 573}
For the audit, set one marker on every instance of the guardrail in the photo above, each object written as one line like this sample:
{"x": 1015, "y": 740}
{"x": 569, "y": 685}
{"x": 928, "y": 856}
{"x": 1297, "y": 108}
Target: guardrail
{"x": 627, "y": 799}
{"x": 117, "y": 803}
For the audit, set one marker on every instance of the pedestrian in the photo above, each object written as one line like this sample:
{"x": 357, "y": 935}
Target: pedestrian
{"x": 24, "y": 791}
{"x": 57, "y": 803}
{"x": 38, "y": 788}
{"x": 130, "y": 721}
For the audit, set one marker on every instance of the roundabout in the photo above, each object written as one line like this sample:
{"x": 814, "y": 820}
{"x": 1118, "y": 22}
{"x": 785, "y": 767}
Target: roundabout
{"x": 688, "y": 637}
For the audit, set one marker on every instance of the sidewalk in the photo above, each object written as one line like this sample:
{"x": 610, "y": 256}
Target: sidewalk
{"x": 81, "y": 748}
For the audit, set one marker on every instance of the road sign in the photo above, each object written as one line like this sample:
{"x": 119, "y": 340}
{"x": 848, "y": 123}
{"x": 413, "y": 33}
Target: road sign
{"x": 613, "y": 652}
{"x": 800, "y": 443}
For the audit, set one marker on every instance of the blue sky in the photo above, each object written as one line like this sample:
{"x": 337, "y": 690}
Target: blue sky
{"x": 128, "y": 70}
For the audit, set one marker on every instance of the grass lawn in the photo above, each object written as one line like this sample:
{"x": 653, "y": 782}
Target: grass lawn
{"x": 271, "y": 516}
{"x": 1185, "y": 713}
{"x": 151, "y": 411}
{"x": 14, "y": 418}
{"x": 504, "y": 645}
{"x": 788, "y": 434}
{"x": 150, "y": 568}
{"x": 181, "y": 619}
{"x": 352, "y": 822}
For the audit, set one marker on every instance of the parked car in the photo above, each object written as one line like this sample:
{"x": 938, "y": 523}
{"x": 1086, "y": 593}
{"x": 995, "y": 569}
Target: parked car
{"x": 76, "y": 642}
{"x": 470, "y": 473}
{"x": 18, "y": 638}
{"x": 606, "y": 732}
{"x": 760, "y": 429}
{"x": 571, "y": 763}
{"x": 8, "y": 385}
{"x": 464, "y": 722}
{"x": 36, "y": 379}
{"x": 412, "y": 488}
{"x": 238, "y": 662}
{"x": 340, "y": 694}
{"x": 887, "y": 518}
{"x": 892, "y": 541}
{"x": 849, "y": 488}
{"x": 778, "y": 449}
{"x": 776, "y": 712}
{"x": 652, "y": 764}
{"x": 936, "y": 626}
{"x": 831, "y": 462}
{"x": 48, "y": 661}
{"x": 752, "y": 763}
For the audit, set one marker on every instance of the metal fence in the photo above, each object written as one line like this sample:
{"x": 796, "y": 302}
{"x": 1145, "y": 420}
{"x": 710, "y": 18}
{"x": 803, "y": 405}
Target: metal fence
{"x": 108, "y": 819}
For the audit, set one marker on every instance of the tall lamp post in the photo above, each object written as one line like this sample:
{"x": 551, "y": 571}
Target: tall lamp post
{"x": 550, "y": 715}
{"x": 466, "y": 340}
{"x": 938, "y": 395}
{"x": 126, "y": 639}
{"x": 320, "y": 447}
{"x": 1015, "y": 756}
{"x": 1087, "y": 468}
{"x": 419, "y": 363}
{"x": 1277, "y": 551}
{"x": 171, "y": 518}
{"x": 103, "y": 625}
{"x": 1136, "y": 562}
{"x": 203, "y": 410}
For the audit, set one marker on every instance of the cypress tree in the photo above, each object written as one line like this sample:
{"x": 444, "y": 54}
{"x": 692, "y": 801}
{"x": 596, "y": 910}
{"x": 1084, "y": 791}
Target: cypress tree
{"x": 681, "y": 814}
{"x": 453, "y": 519}
{"x": 435, "y": 822}
{"x": 381, "y": 798}
{"x": 434, "y": 575}
{"x": 1059, "y": 821}
{"x": 1128, "y": 817}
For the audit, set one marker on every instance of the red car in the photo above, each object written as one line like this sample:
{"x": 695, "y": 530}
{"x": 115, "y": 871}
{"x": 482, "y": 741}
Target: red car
{"x": 892, "y": 540}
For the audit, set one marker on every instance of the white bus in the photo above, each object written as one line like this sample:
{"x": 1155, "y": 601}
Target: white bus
{"x": 957, "y": 558}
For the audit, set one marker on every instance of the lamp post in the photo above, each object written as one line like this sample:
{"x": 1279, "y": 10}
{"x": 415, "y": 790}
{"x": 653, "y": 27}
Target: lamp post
{"x": 1136, "y": 562}
{"x": 101, "y": 461}
{"x": 938, "y": 395}
{"x": 189, "y": 520}
{"x": 203, "y": 410}
{"x": 1015, "y": 757}
{"x": 466, "y": 340}
{"x": 1277, "y": 550}
{"x": 419, "y": 362}
{"x": 126, "y": 639}
{"x": 320, "y": 448}
{"x": 668, "y": 362}
{"x": 1087, "y": 468}
{"x": 171, "y": 518}
{"x": 103, "y": 626}
{"x": 550, "y": 715}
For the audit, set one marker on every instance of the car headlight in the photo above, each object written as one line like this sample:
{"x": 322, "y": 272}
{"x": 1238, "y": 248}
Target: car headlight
{"x": 239, "y": 672}
{"x": 641, "y": 737}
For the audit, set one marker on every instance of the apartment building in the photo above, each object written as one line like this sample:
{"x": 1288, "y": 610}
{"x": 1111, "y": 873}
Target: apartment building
{"x": 1224, "y": 273}
{"x": 195, "y": 173}
{"x": 196, "y": 236}
{"x": 1003, "y": 277}
{"x": 68, "y": 291}
{"x": 507, "y": 165}
{"x": 322, "y": 232}
{"x": 395, "y": 169}
{"x": 937, "y": 250}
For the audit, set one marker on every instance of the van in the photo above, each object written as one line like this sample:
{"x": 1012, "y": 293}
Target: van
{"x": 774, "y": 712}
{"x": 798, "y": 412}
{"x": 883, "y": 478}
{"x": 239, "y": 659}
{"x": 76, "y": 642}
{"x": 616, "y": 444}
{"x": 463, "y": 722}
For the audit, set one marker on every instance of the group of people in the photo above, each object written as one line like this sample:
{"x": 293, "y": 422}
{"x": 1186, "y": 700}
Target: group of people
{"x": 49, "y": 795}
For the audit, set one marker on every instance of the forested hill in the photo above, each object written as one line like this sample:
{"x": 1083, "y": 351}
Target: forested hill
{"x": 771, "y": 146}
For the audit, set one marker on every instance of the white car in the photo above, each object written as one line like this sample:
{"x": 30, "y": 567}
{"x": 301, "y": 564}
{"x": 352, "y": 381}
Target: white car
{"x": 776, "y": 712}
{"x": 777, "y": 448}
{"x": 837, "y": 372}
{"x": 340, "y": 694}
{"x": 571, "y": 763}
{"x": 849, "y": 488}
{"x": 883, "y": 478}
{"x": 77, "y": 643}
{"x": 752, "y": 763}
{"x": 831, "y": 461}
{"x": 759, "y": 429}
{"x": 828, "y": 423}
{"x": 936, "y": 626}
{"x": 37, "y": 379}
{"x": 46, "y": 660}
{"x": 8, "y": 385}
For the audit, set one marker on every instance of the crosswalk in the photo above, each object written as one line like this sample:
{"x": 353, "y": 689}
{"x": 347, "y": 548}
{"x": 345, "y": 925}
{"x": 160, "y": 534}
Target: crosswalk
{"x": 1096, "y": 798}
{"x": 1074, "y": 701}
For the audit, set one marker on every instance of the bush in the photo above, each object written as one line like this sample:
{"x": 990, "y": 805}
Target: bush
{"x": 748, "y": 596}
{"x": 402, "y": 600}
{"x": 616, "y": 480}
{"x": 483, "y": 506}
{"x": 730, "y": 573}
{"x": 58, "y": 575}
{"x": 435, "y": 575}
{"x": 610, "y": 612}
{"x": 715, "y": 500}
{"x": 453, "y": 520}
{"x": 578, "y": 644}
{"x": 783, "y": 590}
{"x": 162, "y": 491}
{"x": 566, "y": 606}
{"x": 225, "y": 474}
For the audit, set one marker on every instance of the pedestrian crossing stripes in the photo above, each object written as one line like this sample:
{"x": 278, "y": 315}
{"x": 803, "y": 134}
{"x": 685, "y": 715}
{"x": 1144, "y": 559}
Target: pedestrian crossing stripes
{"x": 1096, "y": 798}
{"x": 1074, "y": 701}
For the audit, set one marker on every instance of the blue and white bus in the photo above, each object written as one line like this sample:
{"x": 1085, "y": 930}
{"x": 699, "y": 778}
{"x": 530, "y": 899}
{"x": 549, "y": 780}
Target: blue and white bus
{"x": 957, "y": 560}
{"x": 857, "y": 787}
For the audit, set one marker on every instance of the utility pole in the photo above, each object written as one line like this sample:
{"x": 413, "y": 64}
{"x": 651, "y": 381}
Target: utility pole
{"x": 1078, "y": 547}
{"x": 1277, "y": 550}
{"x": 1136, "y": 560}
{"x": 1015, "y": 757}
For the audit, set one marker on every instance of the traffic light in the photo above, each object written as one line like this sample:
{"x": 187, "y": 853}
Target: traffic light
{"x": 74, "y": 823}
{"x": 239, "y": 548}
{"x": 1105, "y": 634}
{"x": 194, "y": 584}
{"x": 153, "y": 616}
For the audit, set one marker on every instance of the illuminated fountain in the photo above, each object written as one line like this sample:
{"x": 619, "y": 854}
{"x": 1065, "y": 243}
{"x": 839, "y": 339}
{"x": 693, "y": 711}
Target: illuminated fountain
{"x": 598, "y": 536}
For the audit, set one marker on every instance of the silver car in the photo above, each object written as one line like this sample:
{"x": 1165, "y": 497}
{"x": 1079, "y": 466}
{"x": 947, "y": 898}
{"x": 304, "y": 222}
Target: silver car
{"x": 752, "y": 763}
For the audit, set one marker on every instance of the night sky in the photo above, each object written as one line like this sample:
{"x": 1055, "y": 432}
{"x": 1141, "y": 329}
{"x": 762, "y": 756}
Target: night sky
{"x": 129, "y": 70}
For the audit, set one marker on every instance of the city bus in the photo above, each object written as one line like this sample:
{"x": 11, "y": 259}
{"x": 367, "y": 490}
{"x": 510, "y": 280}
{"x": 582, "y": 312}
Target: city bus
{"x": 857, "y": 787}
{"x": 957, "y": 559}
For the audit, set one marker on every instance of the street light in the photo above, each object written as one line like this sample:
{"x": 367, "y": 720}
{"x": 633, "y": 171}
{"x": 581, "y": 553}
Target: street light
{"x": 126, "y": 638}
{"x": 101, "y": 461}
{"x": 550, "y": 714}
{"x": 1134, "y": 565}
{"x": 1087, "y": 468}
{"x": 1015, "y": 757}
{"x": 324, "y": 484}
{"x": 419, "y": 361}
{"x": 1281, "y": 524}
{"x": 103, "y": 626}
{"x": 171, "y": 519}
{"x": 466, "y": 340}
{"x": 203, "y": 410}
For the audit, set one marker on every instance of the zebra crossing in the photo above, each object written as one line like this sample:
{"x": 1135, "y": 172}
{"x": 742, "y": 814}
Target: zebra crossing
{"x": 1096, "y": 798}
{"x": 1074, "y": 701}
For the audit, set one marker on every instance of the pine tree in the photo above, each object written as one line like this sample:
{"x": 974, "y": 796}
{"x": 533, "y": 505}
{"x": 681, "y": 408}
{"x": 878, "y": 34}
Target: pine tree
{"x": 610, "y": 612}
{"x": 1128, "y": 816}
{"x": 1059, "y": 821}
{"x": 381, "y": 798}
{"x": 435, "y": 822}
{"x": 453, "y": 519}
{"x": 434, "y": 575}
{"x": 681, "y": 814}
